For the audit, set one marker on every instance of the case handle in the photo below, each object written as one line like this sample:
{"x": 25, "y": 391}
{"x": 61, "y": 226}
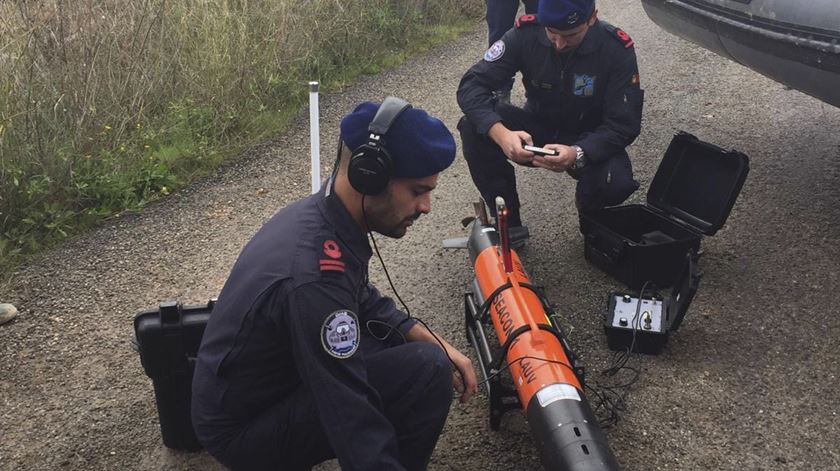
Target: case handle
{"x": 170, "y": 313}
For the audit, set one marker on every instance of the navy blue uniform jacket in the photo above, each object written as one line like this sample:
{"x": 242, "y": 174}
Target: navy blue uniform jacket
{"x": 591, "y": 95}
{"x": 263, "y": 340}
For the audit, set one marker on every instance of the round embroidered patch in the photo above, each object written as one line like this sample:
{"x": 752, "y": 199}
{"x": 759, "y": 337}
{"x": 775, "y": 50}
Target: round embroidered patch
{"x": 495, "y": 51}
{"x": 340, "y": 334}
{"x": 331, "y": 249}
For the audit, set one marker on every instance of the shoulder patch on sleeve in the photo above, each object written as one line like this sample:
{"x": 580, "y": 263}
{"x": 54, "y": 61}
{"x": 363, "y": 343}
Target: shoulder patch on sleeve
{"x": 331, "y": 257}
{"x": 495, "y": 51}
{"x": 623, "y": 37}
{"x": 525, "y": 20}
{"x": 340, "y": 334}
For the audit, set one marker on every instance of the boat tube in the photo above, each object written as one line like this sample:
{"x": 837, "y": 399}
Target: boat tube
{"x": 794, "y": 42}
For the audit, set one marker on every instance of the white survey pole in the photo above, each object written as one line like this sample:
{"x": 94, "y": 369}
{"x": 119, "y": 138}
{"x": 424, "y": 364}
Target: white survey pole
{"x": 314, "y": 137}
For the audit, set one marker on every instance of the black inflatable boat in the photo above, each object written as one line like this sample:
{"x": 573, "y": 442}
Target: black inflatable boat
{"x": 796, "y": 42}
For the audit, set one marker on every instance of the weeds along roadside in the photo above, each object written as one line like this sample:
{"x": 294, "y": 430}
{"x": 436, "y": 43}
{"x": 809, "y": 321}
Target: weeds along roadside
{"x": 106, "y": 105}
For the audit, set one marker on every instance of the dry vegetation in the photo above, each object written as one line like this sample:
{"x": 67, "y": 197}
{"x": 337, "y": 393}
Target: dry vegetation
{"x": 105, "y": 104}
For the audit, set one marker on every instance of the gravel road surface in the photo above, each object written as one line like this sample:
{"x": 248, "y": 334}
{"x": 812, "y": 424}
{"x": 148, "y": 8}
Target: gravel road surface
{"x": 749, "y": 382}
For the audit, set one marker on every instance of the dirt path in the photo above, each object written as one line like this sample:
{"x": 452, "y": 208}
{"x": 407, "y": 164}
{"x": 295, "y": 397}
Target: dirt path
{"x": 750, "y": 382}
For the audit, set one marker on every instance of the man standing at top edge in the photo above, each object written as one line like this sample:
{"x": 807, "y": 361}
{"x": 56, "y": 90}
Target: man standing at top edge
{"x": 584, "y": 101}
{"x": 302, "y": 359}
{"x": 501, "y": 15}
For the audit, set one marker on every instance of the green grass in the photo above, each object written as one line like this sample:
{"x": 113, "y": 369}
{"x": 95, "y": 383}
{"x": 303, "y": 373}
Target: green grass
{"x": 106, "y": 105}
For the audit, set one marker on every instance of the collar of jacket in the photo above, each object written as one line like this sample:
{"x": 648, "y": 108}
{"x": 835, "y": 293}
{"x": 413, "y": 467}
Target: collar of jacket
{"x": 345, "y": 226}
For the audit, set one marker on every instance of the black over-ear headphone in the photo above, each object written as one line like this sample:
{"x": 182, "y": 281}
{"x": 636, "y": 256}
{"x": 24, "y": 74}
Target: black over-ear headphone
{"x": 371, "y": 165}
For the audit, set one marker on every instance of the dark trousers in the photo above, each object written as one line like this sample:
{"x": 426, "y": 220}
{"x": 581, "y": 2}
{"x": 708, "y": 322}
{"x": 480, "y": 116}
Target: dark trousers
{"x": 414, "y": 381}
{"x": 600, "y": 184}
{"x": 501, "y": 15}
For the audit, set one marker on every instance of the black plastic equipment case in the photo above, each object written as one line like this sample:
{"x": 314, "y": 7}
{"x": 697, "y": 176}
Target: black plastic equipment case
{"x": 624, "y": 326}
{"x": 168, "y": 339}
{"x": 691, "y": 194}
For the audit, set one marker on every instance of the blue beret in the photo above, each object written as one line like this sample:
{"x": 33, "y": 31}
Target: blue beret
{"x": 564, "y": 14}
{"x": 419, "y": 144}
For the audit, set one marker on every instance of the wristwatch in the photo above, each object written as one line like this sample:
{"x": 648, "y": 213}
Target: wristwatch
{"x": 580, "y": 159}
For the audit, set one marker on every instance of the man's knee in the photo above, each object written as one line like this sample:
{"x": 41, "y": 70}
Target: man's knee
{"x": 467, "y": 130}
{"x": 431, "y": 358}
{"x": 427, "y": 374}
{"x": 411, "y": 373}
{"x": 475, "y": 145}
{"x": 608, "y": 183}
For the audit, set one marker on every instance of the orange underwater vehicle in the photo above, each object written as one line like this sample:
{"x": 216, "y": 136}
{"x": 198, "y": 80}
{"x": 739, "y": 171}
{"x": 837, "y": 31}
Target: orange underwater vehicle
{"x": 547, "y": 378}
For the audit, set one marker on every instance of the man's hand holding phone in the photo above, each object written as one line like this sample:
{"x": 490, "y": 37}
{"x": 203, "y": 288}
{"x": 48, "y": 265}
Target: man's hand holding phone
{"x": 540, "y": 150}
{"x": 560, "y": 161}
{"x": 511, "y": 143}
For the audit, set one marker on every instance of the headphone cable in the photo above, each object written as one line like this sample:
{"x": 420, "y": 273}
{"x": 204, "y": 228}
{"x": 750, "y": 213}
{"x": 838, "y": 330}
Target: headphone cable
{"x": 397, "y": 294}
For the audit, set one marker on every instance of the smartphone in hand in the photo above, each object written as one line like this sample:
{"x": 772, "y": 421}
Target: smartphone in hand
{"x": 540, "y": 150}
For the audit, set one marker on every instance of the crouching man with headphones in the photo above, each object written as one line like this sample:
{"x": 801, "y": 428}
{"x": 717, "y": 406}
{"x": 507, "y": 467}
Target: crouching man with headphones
{"x": 303, "y": 359}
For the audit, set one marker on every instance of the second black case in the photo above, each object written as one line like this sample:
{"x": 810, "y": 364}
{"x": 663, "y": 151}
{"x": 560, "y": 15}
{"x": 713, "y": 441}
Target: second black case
{"x": 168, "y": 339}
{"x": 691, "y": 195}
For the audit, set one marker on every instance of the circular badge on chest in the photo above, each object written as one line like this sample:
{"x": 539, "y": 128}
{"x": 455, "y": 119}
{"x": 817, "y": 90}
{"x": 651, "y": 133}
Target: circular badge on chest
{"x": 340, "y": 334}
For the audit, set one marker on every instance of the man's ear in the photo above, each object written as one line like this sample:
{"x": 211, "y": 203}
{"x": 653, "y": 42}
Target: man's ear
{"x": 593, "y": 18}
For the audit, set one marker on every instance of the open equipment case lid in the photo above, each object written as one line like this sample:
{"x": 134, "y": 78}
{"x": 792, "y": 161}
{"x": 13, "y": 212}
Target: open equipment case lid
{"x": 698, "y": 182}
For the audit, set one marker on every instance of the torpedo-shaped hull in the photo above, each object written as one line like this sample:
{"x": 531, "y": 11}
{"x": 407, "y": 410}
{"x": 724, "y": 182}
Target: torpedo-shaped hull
{"x": 547, "y": 381}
